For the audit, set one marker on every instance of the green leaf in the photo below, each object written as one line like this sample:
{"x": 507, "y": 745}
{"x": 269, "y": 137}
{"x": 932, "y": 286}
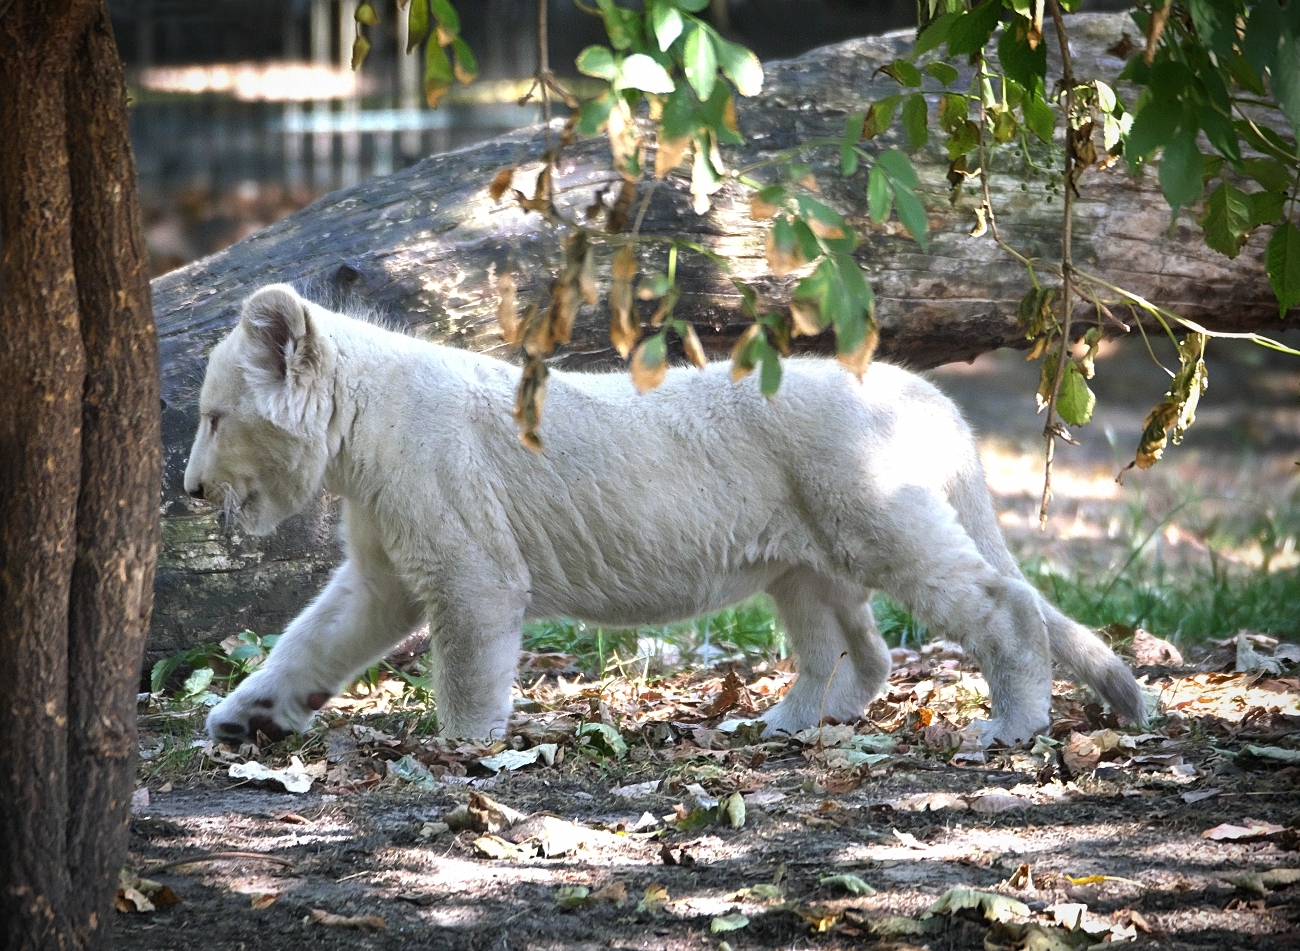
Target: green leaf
{"x": 879, "y": 116}
{"x": 1216, "y": 24}
{"x": 1266, "y": 207}
{"x": 942, "y": 71}
{"x": 740, "y": 65}
{"x": 448, "y": 18}
{"x": 417, "y": 24}
{"x": 1270, "y": 173}
{"x": 806, "y": 240}
{"x": 936, "y": 34}
{"x": 899, "y": 168}
{"x": 911, "y": 213}
{"x": 1153, "y": 127}
{"x": 855, "y": 285}
{"x": 1182, "y": 169}
{"x": 1023, "y": 63}
{"x": 1227, "y": 219}
{"x": 954, "y": 110}
{"x": 667, "y": 24}
{"x": 197, "y": 682}
{"x": 438, "y": 75}
{"x": 1075, "y": 400}
{"x": 1282, "y": 261}
{"x": 595, "y": 61}
{"x": 1263, "y": 31}
{"x": 639, "y": 71}
{"x": 880, "y": 199}
{"x": 1286, "y": 78}
{"x": 714, "y": 113}
{"x": 1106, "y": 100}
{"x": 769, "y": 377}
{"x": 594, "y": 114}
{"x": 692, "y": 6}
{"x": 701, "y": 62}
{"x": 604, "y": 737}
{"x": 678, "y": 120}
{"x": 970, "y": 32}
{"x": 1040, "y": 117}
{"x": 360, "y": 47}
{"x": 617, "y": 24}
{"x": 466, "y": 66}
{"x": 903, "y": 72}
{"x": 848, "y": 160}
{"x": 366, "y": 14}
{"x": 915, "y": 118}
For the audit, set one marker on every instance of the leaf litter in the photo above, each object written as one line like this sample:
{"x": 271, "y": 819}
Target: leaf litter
{"x": 652, "y": 803}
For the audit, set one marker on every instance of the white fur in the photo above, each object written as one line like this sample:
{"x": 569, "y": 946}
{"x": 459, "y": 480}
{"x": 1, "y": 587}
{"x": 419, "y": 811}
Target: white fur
{"x": 643, "y": 509}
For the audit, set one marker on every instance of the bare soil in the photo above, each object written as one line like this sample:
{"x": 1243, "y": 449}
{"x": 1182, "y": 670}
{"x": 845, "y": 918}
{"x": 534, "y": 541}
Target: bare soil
{"x": 1117, "y": 828}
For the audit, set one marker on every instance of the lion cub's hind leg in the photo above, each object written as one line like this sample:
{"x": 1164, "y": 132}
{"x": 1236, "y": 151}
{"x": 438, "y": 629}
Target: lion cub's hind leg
{"x": 843, "y": 662}
{"x": 933, "y": 567}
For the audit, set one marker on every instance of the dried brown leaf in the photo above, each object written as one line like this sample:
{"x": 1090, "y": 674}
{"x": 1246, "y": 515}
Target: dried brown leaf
{"x": 741, "y": 364}
{"x": 587, "y": 278}
{"x": 805, "y": 318}
{"x": 670, "y": 154}
{"x": 508, "y": 309}
{"x": 761, "y": 210}
{"x": 624, "y": 323}
{"x": 501, "y": 183}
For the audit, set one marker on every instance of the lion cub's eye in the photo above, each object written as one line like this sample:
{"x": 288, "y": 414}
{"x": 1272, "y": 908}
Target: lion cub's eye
{"x": 213, "y": 419}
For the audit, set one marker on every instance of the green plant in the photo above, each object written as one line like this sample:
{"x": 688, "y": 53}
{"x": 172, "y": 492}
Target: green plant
{"x": 225, "y": 664}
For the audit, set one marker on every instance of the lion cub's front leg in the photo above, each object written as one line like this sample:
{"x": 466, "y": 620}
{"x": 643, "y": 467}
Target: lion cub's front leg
{"x": 360, "y": 615}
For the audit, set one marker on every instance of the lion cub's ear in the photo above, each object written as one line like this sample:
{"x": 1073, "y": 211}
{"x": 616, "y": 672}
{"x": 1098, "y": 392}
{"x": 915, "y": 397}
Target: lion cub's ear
{"x": 283, "y": 354}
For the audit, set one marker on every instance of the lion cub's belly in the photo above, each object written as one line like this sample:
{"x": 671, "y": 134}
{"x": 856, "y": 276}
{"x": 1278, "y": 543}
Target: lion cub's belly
{"x": 650, "y": 598}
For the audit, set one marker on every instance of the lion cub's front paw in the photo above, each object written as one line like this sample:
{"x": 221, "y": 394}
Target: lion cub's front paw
{"x": 263, "y": 705}
{"x": 1007, "y": 732}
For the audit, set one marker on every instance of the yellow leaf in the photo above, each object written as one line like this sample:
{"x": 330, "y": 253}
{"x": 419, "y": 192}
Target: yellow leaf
{"x": 656, "y": 896}
{"x": 857, "y": 360}
{"x": 783, "y": 260}
{"x": 741, "y": 363}
{"x": 694, "y": 349}
{"x": 649, "y": 365}
{"x": 263, "y": 899}
{"x": 761, "y": 210}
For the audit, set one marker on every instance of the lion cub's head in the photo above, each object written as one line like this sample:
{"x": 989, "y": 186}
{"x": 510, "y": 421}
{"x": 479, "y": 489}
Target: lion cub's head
{"x": 264, "y": 412}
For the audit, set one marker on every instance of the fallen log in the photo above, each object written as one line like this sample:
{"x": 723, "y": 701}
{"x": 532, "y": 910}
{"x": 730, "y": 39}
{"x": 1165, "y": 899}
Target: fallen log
{"x": 423, "y": 248}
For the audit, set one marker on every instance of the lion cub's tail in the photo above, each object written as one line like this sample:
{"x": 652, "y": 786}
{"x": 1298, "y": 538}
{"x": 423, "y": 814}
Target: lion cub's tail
{"x": 1088, "y": 660}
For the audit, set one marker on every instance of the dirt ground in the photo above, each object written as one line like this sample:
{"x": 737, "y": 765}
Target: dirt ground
{"x": 633, "y": 836}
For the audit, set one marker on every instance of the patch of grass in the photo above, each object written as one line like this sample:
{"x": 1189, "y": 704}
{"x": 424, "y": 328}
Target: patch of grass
{"x": 1187, "y": 607}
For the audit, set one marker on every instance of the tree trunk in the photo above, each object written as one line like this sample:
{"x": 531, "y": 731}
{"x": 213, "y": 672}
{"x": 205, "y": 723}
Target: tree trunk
{"x": 424, "y": 247}
{"x": 79, "y": 472}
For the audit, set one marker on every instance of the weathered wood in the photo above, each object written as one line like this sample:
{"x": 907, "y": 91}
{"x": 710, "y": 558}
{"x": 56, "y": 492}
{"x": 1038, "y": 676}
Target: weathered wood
{"x": 424, "y": 246}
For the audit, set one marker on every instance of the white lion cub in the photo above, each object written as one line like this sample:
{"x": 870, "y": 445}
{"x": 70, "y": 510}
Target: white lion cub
{"x": 643, "y": 509}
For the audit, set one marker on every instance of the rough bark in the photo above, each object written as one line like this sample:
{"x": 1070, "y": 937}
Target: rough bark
{"x": 79, "y": 472}
{"x": 118, "y": 533}
{"x": 424, "y": 246}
